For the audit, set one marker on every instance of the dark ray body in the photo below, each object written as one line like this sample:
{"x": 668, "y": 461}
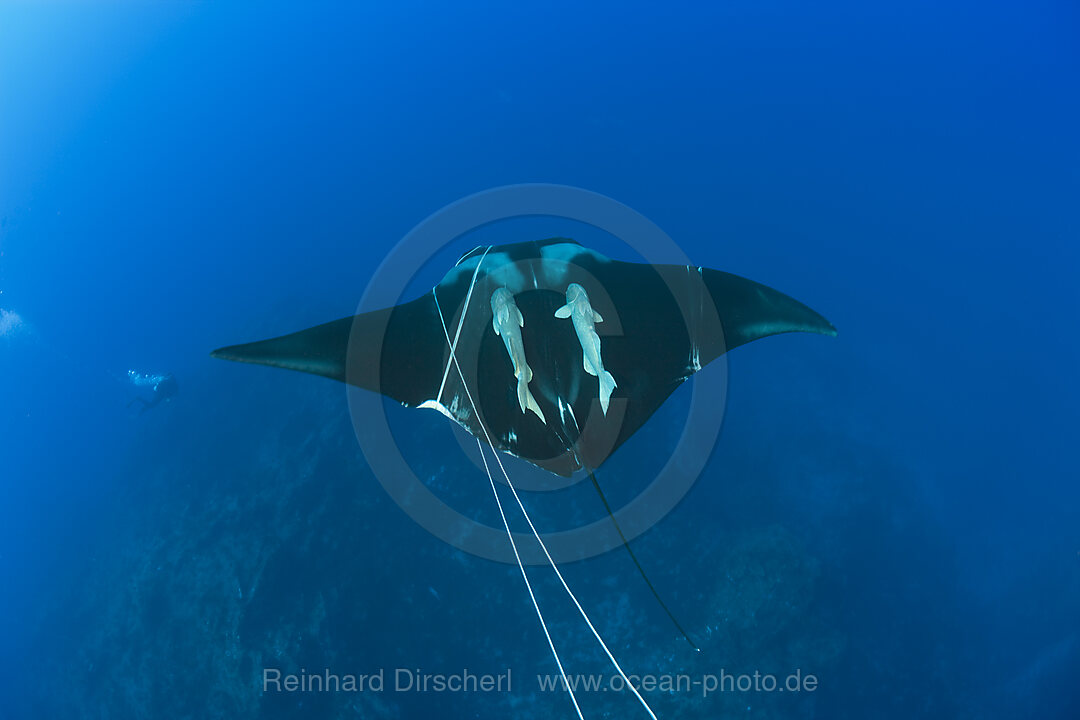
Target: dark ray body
{"x": 661, "y": 324}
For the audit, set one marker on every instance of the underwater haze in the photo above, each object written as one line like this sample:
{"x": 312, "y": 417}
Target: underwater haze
{"x": 894, "y": 511}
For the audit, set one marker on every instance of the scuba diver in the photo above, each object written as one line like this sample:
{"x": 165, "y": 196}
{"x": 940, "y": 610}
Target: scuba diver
{"x": 164, "y": 387}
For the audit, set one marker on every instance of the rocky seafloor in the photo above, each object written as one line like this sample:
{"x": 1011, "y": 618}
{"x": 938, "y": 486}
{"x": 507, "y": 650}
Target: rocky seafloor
{"x": 250, "y": 534}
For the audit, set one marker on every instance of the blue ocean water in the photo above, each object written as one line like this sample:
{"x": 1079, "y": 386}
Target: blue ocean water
{"x": 894, "y": 511}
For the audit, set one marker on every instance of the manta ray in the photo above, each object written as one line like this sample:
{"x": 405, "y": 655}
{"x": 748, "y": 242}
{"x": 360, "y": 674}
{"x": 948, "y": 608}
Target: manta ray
{"x": 545, "y": 350}
{"x": 565, "y": 352}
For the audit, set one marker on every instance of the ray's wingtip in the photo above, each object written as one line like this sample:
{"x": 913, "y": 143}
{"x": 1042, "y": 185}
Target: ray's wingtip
{"x": 224, "y": 353}
{"x": 822, "y": 325}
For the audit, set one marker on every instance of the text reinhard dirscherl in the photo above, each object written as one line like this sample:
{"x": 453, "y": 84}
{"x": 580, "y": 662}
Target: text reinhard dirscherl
{"x": 402, "y": 680}
{"x": 416, "y": 680}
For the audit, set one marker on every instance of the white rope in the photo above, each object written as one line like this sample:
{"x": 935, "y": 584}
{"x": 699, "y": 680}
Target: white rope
{"x": 461, "y": 321}
{"x": 562, "y": 580}
{"x": 498, "y": 502}
{"x": 525, "y": 577}
{"x": 536, "y": 534}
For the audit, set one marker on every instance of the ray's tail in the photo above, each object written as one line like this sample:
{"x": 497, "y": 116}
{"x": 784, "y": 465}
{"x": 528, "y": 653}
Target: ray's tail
{"x": 637, "y": 564}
